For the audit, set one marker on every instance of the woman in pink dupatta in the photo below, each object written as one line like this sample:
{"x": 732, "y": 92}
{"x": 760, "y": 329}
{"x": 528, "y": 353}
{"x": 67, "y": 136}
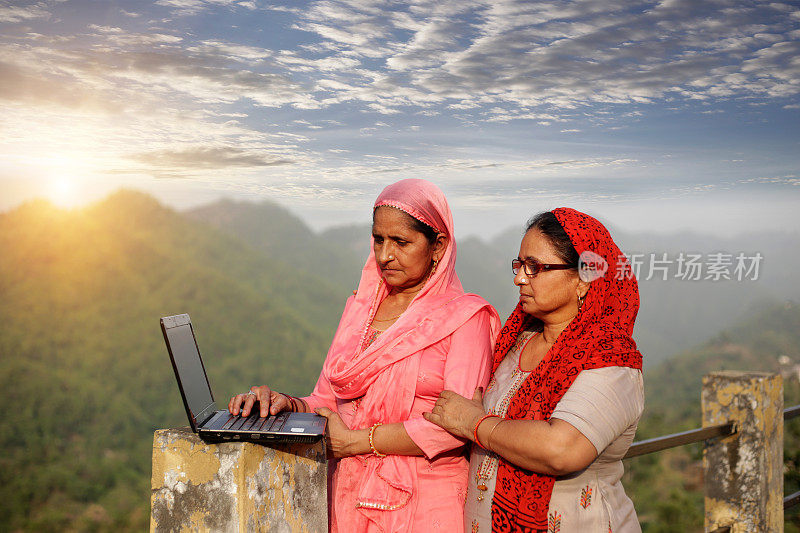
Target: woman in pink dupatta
{"x": 394, "y": 470}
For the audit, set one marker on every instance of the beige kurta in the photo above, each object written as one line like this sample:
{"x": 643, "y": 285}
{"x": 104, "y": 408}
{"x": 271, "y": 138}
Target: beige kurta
{"x": 605, "y": 405}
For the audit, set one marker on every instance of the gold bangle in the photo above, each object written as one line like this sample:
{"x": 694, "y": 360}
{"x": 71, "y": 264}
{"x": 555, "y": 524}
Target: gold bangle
{"x": 375, "y": 452}
{"x": 491, "y": 431}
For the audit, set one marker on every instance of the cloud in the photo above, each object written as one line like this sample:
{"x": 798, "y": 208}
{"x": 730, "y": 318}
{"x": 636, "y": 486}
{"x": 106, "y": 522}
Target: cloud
{"x": 203, "y": 157}
{"x": 295, "y": 94}
{"x": 296, "y": 63}
{"x": 792, "y": 180}
{"x": 562, "y": 55}
{"x": 496, "y": 62}
{"x": 11, "y": 14}
{"x": 126, "y": 66}
{"x": 112, "y": 100}
{"x": 120, "y": 38}
{"x": 25, "y": 83}
{"x": 231, "y": 51}
{"x": 200, "y": 76}
{"x": 194, "y": 7}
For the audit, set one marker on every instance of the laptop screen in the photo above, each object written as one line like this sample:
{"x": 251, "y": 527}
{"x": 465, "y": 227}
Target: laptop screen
{"x": 189, "y": 366}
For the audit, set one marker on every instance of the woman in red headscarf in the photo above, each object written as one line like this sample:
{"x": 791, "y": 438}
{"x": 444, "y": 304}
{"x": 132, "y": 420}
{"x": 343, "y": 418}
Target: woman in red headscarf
{"x": 566, "y": 391}
{"x": 408, "y": 333}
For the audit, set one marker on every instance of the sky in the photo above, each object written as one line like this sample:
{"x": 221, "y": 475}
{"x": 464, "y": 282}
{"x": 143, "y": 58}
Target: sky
{"x": 652, "y": 115}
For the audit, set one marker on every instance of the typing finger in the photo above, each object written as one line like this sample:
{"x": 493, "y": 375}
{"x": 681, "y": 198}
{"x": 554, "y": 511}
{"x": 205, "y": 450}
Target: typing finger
{"x": 264, "y": 394}
{"x": 250, "y": 399}
{"x": 236, "y": 403}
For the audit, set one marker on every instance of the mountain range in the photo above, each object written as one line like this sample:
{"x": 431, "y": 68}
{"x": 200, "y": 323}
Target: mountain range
{"x": 674, "y": 315}
{"x": 85, "y": 374}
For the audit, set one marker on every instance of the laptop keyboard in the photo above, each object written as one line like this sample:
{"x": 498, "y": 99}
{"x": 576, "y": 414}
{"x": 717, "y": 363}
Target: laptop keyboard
{"x": 254, "y": 422}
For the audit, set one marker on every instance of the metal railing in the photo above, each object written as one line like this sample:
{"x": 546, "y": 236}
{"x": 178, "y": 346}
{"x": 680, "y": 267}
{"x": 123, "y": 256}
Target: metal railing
{"x": 791, "y": 500}
{"x": 679, "y": 439}
{"x": 674, "y": 440}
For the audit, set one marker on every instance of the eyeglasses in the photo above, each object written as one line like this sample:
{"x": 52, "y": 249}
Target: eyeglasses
{"x": 532, "y": 267}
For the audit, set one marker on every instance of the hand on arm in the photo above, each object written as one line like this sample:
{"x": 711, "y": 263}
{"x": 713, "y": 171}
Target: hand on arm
{"x": 457, "y": 414}
{"x": 551, "y": 447}
{"x": 467, "y": 368}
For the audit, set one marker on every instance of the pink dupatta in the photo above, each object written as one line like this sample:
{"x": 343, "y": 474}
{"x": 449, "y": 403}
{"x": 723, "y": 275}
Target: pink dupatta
{"x": 385, "y": 374}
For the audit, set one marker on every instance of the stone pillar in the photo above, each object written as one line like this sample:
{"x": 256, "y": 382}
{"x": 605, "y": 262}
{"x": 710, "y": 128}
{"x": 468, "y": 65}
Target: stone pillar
{"x": 744, "y": 472}
{"x": 237, "y": 486}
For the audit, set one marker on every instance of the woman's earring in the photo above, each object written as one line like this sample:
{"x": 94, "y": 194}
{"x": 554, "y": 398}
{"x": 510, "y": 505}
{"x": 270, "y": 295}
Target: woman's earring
{"x": 433, "y": 270}
{"x": 581, "y": 299}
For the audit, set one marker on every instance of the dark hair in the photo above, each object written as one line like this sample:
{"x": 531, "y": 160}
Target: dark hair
{"x": 549, "y": 226}
{"x": 416, "y": 225}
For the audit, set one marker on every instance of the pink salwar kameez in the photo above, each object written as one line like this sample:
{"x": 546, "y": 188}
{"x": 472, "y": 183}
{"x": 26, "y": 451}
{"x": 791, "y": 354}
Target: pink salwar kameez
{"x": 442, "y": 341}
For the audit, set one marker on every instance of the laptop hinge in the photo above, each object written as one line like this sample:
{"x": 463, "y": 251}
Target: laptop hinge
{"x": 203, "y": 416}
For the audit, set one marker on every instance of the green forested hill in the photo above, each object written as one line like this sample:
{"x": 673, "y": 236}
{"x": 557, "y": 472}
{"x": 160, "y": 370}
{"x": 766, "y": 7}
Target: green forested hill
{"x": 276, "y": 232}
{"x": 667, "y": 487}
{"x": 84, "y": 373}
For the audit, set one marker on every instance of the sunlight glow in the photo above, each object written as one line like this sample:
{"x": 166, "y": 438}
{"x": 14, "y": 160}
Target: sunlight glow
{"x": 62, "y": 191}
{"x": 64, "y": 178}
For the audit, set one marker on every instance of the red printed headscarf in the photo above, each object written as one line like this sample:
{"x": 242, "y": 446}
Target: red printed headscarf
{"x": 599, "y": 336}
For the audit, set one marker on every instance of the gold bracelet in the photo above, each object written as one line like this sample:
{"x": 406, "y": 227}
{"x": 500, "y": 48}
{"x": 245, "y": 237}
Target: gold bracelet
{"x": 491, "y": 431}
{"x": 375, "y": 452}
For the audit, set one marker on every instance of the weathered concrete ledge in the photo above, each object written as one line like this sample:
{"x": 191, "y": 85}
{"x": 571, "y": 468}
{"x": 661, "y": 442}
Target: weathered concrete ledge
{"x": 236, "y": 486}
{"x": 744, "y": 472}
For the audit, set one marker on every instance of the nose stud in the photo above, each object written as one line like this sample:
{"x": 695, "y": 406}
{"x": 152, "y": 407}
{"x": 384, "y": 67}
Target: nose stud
{"x": 391, "y": 258}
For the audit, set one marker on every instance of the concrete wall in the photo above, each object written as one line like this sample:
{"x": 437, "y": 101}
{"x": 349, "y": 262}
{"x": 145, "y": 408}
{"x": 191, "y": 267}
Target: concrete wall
{"x": 238, "y": 486}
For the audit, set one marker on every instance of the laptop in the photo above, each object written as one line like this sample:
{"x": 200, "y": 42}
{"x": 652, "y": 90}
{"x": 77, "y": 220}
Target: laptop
{"x": 218, "y": 425}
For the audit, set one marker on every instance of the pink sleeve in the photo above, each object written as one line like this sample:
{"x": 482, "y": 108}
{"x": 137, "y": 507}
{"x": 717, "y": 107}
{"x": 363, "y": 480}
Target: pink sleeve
{"x": 467, "y": 367}
{"x": 322, "y": 396}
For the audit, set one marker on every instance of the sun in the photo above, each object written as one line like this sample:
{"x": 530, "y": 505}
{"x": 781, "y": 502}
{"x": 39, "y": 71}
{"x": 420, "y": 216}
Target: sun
{"x": 62, "y": 191}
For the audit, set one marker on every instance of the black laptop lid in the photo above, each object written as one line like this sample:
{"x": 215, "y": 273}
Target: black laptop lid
{"x": 189, "y": 369}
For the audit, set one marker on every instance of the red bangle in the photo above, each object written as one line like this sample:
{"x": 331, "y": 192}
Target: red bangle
{"x": 475, "y": 430}
{"x": 291, "y": 401}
